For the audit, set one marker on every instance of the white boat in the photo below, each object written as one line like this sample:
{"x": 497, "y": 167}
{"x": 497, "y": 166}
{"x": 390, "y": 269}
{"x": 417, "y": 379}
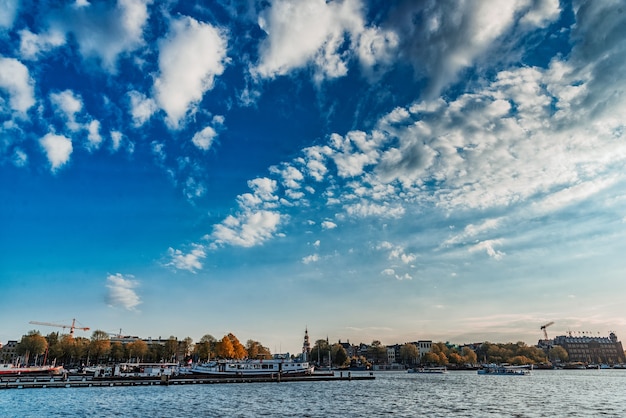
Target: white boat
{"x": 429, "y": 370}
{"x": 254, "y": 368}
{"x": 494, "y": 369}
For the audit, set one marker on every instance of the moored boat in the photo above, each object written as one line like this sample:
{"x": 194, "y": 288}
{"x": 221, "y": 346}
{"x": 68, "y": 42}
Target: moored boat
{"x": 254, "y": 368}
{"x": 11, "y": 370}
{"x": 429, "y": 370}
{"x": 494, "y": 369}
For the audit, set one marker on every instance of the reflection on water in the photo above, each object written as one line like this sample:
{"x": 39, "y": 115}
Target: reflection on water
{"x": 562, "y": 393}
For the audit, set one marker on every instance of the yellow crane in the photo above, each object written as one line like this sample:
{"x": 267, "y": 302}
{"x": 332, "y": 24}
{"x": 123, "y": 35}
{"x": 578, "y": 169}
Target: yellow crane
{"x": 543, "y": 328}
{"x": 71, "y": 327}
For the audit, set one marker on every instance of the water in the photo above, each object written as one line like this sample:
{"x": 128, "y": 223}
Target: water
{"x": 564, "y": 393}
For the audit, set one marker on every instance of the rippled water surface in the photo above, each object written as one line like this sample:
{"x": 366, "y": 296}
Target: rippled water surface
{"x": 576, "y": 393}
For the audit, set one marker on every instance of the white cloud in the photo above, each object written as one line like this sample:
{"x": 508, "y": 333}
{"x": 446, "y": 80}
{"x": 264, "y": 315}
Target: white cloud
{"x": 122, "y": 291}
{"x": 541, "y": 12}
{"x": 94, "y": 137}
{"x": 488, "y": 246}
{"x": 388, "y": 272}
{"x": 33, "y": 45}
{"x": 313, "y": 258}
{"x": 190, "y": 58}
{"x": 367, "y": 209}
{"x": 58, "y": 149}
{"x": 248, "y": 229}
{"x": 190, "y": 261}
{"x": 68, "y": 104}
{"x": 116, "y": 137}
{"x": 16, "y": 81}
{"x": 8, "y": 11}
{"x": 329, "y": 225}
{"x": 453, "y": 35}
{"x": 204, "y": 138}
{"x": 20, "y": 158}
{"x": 315, "y": 34}
{"x": 141, "y": 107}
{"x": 103, "y": 30}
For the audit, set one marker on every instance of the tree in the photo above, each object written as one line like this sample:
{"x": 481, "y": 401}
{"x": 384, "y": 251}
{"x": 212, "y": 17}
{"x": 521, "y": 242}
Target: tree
{"x": 171, "y": 348}
{"x": 469, "y": 356}
{"x": 430, "y": 358}
{"x": 257, "y": 351}
{"x": 117, "y": 352}
{"x": 186, "y": 345}
{"x": 339, "y": 355}
{"x": 377, "y": 352}
{"x": 137, "y": 349}
{"x": 520, "y": 360}
{"x": 239, "y": 351}
{"x": 32, "y": 345}
{"x": 205, "y": 348}
{"x": 409, "y": 353}
{"x": 81, "y": 349}
{"x": 225, "y": 348}
{"x": 156, "y": 352}
{"x": 100, "y": 345}
{"x": 558, "y": 353}
{"x": 320, "y": 351}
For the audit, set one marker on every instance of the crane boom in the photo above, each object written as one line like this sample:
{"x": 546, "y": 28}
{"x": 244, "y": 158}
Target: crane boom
{"x": 543, "y": 328}
{"x": 71, "y": 327}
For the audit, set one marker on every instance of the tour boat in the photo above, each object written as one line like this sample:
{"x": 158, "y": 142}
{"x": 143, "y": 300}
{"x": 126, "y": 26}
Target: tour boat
{"x": 254, "y": 368}
{"x": 493, "y": 369}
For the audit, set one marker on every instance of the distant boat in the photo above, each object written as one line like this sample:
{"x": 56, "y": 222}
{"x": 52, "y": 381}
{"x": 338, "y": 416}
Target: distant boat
{"x": 494, "y": 369}
{"x": 254, "y": 368}
{"x": 429, "y": 370}
{"x": 11, "y": 370}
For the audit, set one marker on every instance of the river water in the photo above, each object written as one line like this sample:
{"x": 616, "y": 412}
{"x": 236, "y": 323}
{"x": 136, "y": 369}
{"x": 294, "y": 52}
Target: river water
{"x": 555, "y": 393}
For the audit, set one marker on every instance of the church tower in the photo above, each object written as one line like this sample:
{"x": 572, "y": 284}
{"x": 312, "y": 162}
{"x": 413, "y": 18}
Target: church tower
{"x": 306, "y": 346}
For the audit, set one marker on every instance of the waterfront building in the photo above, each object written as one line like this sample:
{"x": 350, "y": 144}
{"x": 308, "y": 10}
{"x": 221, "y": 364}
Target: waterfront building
{"x": 391, "y": 353}
{"x": 590, "y": 349}
{"x": 424, "y": 346}
{"x": 8, "y": 353}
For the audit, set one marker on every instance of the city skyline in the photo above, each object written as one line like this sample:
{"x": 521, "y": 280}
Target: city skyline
{"x": 368, "y": 170}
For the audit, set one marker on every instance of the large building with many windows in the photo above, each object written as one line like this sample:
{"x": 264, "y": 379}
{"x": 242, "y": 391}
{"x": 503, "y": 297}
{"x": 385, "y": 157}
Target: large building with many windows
{"x": 590, "y": 349}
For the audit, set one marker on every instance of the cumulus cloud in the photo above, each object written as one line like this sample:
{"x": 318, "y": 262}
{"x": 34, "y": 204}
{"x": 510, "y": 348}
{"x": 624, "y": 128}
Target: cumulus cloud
{"x": 94, "y": 137}
{"x": 16, "y": 81}
{"x": 33, "y": 45}
{"x": 247, "y": 229}
{"x": 141, "y": 107}
{"x": 58, "y": 149}
{"x": 68, "y": 104}
{"x": 190, "y": 58}
{"x": 190, "y": 261}
{"x": 204, "y": 138}
{"x": 122, "y": 292}
{"x": 313, "y": 258}
{"x": 328, "y": 225}
{"x": 102, "y": 29}
{"x": 316, "y": 35}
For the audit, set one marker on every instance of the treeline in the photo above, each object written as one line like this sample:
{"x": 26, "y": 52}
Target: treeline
{"x": 76, "y": 351}
{"x": 442, "y": 354}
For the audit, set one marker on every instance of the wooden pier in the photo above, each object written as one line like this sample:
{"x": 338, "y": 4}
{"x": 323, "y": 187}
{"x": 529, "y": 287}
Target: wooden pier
{"x": 43, "y": 382}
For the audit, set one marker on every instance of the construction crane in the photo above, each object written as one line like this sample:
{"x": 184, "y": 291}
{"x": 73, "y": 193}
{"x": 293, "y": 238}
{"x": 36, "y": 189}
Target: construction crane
{"x": 71, "y": 327}
{"x": 543, "y": 328}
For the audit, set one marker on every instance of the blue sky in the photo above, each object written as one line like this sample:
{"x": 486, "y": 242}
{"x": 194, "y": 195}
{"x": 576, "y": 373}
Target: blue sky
{"x": 449, "y": 170}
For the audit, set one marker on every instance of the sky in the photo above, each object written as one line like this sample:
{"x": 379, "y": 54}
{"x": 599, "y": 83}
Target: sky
{"x": 367, "y": 170}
